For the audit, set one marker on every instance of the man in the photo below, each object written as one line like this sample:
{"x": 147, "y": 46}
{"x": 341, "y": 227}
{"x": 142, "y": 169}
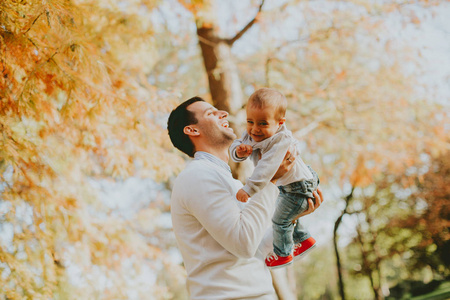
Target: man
{"x": 218, "y": 236}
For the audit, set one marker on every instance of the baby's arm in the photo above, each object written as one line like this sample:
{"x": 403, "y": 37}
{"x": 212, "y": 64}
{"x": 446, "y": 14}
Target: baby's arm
{"x": 237, "y": 144}
{"x": 243, "y": 151}
{"x": 242, "y": 195}
{"x": 269, "y": 163}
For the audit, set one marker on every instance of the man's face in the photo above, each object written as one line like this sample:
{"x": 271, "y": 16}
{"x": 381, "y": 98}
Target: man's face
{"x": 212, "y": 123}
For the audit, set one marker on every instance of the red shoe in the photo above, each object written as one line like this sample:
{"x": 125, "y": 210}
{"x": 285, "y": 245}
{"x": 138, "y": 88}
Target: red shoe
{"x": 304, "y": 247}
{"x": 275, "y": 261}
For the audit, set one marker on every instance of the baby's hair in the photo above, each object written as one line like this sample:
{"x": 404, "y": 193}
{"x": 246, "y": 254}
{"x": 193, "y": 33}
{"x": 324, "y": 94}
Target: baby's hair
{"x": 267, "y": 97}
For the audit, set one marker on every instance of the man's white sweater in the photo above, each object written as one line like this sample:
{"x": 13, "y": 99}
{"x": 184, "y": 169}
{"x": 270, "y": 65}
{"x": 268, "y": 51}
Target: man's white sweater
{"x": 218, "y": 236}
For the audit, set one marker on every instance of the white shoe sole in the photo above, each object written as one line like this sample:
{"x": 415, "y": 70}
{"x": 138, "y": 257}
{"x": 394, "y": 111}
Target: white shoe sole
{"x": 281, "y": 266}
{"x": 304, "y": 253}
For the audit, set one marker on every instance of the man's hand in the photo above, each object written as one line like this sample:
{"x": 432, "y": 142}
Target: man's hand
{"x": 242, "y": 195}
{"x": 243, "y": 150}
{"x": 286, "y": 164}
{"x": 312, "y": 207}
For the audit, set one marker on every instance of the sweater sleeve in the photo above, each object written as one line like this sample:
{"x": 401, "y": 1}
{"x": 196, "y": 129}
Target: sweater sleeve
{"x": 239, "y": 231}
{"x": 234, "y": 145}
{"x": 269, "y": 163}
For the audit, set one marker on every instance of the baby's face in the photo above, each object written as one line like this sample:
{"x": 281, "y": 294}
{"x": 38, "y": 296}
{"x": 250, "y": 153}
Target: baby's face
{"x": 261, "y": 123}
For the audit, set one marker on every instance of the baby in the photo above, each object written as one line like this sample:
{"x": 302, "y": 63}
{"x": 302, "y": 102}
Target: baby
{"x": 266, "y": 142}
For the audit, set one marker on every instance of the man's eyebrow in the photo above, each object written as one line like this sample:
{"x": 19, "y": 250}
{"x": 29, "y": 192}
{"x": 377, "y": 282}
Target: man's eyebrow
{"x": 209, "y": 108}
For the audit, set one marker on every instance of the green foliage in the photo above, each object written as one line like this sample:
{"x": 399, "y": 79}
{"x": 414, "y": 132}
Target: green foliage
{"x": 311, "y": 271}
{"x": 402, "y": 235}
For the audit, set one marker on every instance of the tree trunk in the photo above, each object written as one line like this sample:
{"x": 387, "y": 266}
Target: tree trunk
{"x": 371, "y": 268}
{"x": 223, "y": 77}
{"x": 338, "y": 258}
{"x": 336, "y": 250}
{"x": 284, "y": 283}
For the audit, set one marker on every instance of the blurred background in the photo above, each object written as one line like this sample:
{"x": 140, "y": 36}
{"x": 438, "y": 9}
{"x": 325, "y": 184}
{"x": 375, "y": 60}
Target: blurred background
{"x": 86, "y": 165}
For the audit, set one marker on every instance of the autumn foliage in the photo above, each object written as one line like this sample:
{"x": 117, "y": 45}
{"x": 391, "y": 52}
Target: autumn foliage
{"x": 75, "y": 108}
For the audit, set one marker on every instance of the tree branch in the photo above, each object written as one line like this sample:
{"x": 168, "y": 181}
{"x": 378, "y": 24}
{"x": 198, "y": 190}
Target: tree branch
{"x": 336, "y": 250}
{"x": 34, "y": 22}
{"x": 206, "y": 41}
{"x": 34, "y": 72}
{"x": 246, "y": 28}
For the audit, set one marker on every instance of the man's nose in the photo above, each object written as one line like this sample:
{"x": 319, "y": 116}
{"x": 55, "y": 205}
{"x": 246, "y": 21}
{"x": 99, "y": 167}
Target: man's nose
{"x": 223, "y": 114}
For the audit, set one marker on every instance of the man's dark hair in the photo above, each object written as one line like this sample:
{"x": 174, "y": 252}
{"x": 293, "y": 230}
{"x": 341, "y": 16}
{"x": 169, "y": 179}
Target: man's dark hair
{"x": 179, "y": 118}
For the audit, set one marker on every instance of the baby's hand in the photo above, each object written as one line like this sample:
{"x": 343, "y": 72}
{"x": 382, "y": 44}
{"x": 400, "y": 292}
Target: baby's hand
{"x": 242, "y": 195}
{"x": 243, "y": 150}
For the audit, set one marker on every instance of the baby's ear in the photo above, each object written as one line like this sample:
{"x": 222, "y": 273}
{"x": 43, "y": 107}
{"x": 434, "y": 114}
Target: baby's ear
{"x": 281, "y": 122}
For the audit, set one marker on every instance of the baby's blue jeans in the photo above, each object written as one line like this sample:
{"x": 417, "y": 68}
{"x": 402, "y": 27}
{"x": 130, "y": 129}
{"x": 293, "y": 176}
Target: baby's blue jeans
{"x": 292, "y": 200}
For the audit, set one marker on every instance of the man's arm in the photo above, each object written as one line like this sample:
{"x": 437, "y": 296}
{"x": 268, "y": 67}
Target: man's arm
{"x": 238, "y": 231}
{"x": 312, "y": 205}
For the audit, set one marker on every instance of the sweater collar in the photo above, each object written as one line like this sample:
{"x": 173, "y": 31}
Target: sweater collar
{"x": 215, "y": 160}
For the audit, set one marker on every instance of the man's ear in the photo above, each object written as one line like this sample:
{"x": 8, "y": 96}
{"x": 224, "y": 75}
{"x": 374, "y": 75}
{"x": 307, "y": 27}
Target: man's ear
{"x": 281, "y": 122}
{"x": 189, "y": 130}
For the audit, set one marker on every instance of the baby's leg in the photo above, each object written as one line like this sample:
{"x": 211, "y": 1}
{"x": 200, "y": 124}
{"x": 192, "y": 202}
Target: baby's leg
{"x": 300, "y": 233}
{"x": 288, "y": 207}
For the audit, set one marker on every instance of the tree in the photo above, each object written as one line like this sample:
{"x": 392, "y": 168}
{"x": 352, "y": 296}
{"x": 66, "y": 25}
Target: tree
{"x": 75, "y": 109}
{"x": 433, "y": 220}
{"x": 392, "y": 244}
